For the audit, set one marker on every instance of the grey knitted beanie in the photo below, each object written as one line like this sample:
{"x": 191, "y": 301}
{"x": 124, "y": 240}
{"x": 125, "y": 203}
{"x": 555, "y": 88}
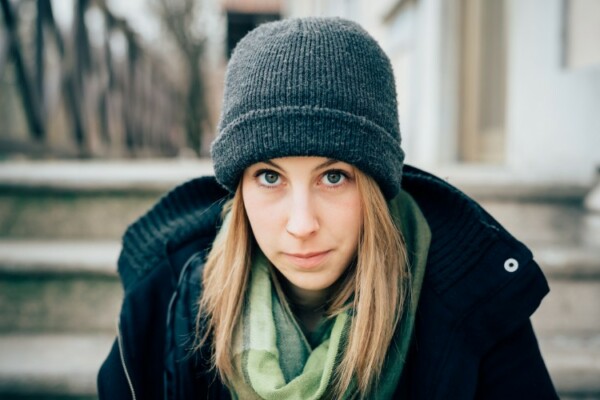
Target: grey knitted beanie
{"x": 309, "y": 87}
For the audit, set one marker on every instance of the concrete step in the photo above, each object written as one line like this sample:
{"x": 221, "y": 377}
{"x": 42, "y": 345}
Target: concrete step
{"x": 94, "y": 175}
{"x": 51, "y": 366}
{"x": 63, "y": 286}
{"x": 104, "y": 213}
{"x": 84, "y": 199}
{"x": 547, "y": 223}
{"x": 54, "y": 366}
{"x": 59, "y": 286}
{"x": 574, "y": 364}
{"x": 98, "y": 199}
{"x": 573, "y": 304}
{"x": 571, "y": 307}
{"x": 564, "y": 262}
{"x": 70, "y": 214}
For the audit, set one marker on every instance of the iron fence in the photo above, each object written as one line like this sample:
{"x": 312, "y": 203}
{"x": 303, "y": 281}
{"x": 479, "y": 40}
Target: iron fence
{"x": 110, "y": 92}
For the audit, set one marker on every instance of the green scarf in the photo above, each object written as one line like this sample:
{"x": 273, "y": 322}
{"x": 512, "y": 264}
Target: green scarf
{"x": 274, "y": 359}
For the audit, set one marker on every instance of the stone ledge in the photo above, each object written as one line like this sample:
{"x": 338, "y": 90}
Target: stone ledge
{"x": 51, "y": 364}
{"x": 574, "y": 363}
{"x": 68, "y": 364}
{"x": 592, "y": 200}
{"x": 23, "y": 257}
{"x": 489, "y": 182}
{"x": 480, "y": 182}
{"x": 569, "y": 262}
{"x": 101, "y": 175}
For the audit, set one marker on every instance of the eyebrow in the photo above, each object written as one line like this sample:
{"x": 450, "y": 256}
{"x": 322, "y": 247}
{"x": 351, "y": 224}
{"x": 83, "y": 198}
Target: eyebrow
{"x": 271, "y": 163}
{"x": 330, "y": 161}
{"x": 327, "y": 163}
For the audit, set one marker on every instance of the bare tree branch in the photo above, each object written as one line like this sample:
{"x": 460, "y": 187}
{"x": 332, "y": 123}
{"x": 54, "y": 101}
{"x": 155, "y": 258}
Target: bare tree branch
{"x": 180, "y": 18}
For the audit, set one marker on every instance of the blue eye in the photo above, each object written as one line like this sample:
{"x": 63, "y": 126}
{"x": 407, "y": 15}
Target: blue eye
{"x": 333, "y": 178}
{"x": 268, "y": 178}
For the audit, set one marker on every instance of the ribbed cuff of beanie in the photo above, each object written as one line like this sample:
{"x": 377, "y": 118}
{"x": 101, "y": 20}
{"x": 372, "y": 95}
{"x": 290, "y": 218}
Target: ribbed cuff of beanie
{"x": 265, "y": 134}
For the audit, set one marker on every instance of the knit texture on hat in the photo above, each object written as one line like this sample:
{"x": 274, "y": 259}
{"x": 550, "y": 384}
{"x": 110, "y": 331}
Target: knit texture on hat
{"x": 309, "y": 87}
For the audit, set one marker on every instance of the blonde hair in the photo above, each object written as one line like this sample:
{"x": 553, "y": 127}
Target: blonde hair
{"x": 375, "y": 288}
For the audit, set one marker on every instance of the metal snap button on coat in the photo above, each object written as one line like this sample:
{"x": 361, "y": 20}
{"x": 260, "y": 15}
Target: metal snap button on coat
{"x": 511, "y": 265}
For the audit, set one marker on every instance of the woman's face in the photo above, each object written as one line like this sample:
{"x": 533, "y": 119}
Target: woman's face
{"x": 305, "y": 213}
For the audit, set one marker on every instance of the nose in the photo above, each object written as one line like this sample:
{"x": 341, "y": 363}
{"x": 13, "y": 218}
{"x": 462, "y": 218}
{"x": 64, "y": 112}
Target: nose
{"x": 302, "y": 219}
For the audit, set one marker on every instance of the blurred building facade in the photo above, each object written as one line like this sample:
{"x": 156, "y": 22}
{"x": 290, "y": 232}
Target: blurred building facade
{"x": 510, "y": 87}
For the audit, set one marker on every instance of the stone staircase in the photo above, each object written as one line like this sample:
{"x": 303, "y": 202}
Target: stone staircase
{"x": 565, "y": 240}
{"x": 60, "y": 228}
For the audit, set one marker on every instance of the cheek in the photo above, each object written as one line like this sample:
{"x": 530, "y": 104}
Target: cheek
{"x": 346, "y": 218}
{"x": 263, "y": 218}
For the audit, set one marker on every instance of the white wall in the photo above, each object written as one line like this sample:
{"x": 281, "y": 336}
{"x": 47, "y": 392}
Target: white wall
{"x": 553, "y": 112}
{"x": 412, "y": 41}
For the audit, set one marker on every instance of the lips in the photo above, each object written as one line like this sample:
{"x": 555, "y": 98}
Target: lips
{"x": 307, "y": 260}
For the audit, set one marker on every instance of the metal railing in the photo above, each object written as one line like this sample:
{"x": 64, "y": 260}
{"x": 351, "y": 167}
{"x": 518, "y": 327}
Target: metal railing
{"x": 113, "y": 95}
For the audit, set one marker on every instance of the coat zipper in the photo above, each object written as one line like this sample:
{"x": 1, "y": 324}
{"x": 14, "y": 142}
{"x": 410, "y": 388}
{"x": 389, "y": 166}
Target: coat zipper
{"x": 122, "y": 354}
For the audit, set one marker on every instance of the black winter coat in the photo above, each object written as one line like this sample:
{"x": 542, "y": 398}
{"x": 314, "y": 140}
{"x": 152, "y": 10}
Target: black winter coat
{"x": 472, "y": 337}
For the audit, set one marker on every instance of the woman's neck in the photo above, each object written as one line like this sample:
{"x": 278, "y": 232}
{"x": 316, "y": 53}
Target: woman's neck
{"x": 307, "y": 305}
{"x": 307, "y": 299}
{"x": 308, "y": 318}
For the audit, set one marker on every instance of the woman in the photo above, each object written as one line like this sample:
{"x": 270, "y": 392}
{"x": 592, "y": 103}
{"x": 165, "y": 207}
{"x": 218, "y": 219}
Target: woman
{"x": 316, "y": 274}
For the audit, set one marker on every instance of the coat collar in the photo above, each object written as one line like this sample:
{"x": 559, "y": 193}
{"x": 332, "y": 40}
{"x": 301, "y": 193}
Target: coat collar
{"x": 188, "y": 212}
{"x": 462, "y": 231}
{"x": 477, "y": 272}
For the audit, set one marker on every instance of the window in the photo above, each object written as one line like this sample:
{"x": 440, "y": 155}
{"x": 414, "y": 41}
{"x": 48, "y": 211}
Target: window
{"x": 482, "y": 81}
{"x": 582, "y": 33}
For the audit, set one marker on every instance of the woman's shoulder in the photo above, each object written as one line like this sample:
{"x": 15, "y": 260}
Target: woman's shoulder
{"x": 462, "y": 230}
{"x": 475, "y": 266}
{"x": 187, "y": 214}
{"x": 160, "y": 266}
